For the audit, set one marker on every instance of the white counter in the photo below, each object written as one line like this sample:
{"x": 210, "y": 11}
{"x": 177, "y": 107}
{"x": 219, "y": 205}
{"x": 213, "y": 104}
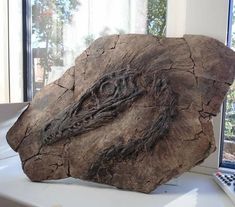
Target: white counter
{"x": 192, "y": 190}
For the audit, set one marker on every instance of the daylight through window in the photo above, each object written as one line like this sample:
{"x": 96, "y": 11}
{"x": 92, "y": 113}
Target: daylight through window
{"x": 228, "y": 133}
{"x": 62, "y": 29}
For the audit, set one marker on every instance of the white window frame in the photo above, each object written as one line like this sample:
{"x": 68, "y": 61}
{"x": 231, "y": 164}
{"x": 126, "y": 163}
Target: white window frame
{"x": 4, "y": 73}
{"x": 11, "y": 51}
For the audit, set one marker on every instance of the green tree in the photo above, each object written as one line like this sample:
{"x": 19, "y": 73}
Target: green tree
{"x": 156, "y": 21}
{"x": 48, "y": 19}
{"x": 233, "y": 32}
{"x": 229, "y": 128}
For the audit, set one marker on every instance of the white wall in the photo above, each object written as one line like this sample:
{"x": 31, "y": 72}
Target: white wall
{"x": 96, "y": 17}
{"x": 176, "y": 18}
{"x": 11, "y": 61}
{"x": 138, "y": 16}
{"x": 15, "y": 51}
{"x": 4, "y": 81}
{"x": 208, "y": 17}
{"x": 203, "y": 17}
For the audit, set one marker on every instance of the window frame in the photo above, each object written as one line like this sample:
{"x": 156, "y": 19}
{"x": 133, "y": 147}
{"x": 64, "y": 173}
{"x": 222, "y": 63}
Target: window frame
{"x": 27, "y": 52}
{"x": 4, "y": 52}
{"x": 11, "y": 52}
{"x": 229, "y": 38}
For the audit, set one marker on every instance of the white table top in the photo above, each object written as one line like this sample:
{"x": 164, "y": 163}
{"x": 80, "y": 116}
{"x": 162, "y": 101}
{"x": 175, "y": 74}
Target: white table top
{"x": 192, "y": 190}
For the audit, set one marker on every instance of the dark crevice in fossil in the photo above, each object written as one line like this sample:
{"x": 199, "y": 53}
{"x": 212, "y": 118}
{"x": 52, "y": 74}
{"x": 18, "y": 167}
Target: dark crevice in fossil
{"x": 205, "y": 114}
{"x": 229, "y": 84}
{"x": 155, "y": 106}
{"x": 196, "y": 137}
{"x": 60, "y": 86}
{"x": 196, "y": 80}
{"x": 57, "y": 83}
{"x": 191, "y": 58}
{"x": 68, "y": 173}
{"x": 115, "y": 43}
{"x": 27, "y": 133}
{"x": 101, "y": 51}
{"x": 193, "y": 68}
{"x": 37, "y": 157}
{"x": 65, "y": 157}
{"x": 61, "y": 156}
{"x": 56, "y": 165}
{"x": 216, "y": 80}
{"x": 157, "y": 39}
{"x": 61, "y": 96}
{"x": 31, "y": 157}
{"x": 46, "y": 153}
{"x": 87, "y": 53}
{"x": 206, "y": 154}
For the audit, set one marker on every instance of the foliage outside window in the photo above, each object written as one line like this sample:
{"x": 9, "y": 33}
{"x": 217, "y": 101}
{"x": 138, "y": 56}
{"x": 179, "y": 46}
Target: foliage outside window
{"x": 62, "y": 29}
{"x": 48, "y": 19}
{"x": 229, "y": 116}
{"x": 157, "y": 17}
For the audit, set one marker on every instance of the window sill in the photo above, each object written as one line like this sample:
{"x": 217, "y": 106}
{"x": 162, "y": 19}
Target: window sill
{"x": 191, "y": 190}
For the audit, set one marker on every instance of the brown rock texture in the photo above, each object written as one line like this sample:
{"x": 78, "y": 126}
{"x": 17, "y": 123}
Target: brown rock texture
{"x": 133, "y": 112}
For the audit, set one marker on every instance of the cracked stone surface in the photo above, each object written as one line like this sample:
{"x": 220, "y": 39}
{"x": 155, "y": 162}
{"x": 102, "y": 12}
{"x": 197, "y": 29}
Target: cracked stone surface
{"x": 133, "y": 112}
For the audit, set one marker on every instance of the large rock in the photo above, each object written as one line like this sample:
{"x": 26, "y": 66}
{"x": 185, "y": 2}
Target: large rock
{"x": 133, "y": 112}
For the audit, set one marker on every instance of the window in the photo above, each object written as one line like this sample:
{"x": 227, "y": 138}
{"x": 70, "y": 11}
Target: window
{"x": 58, "y": 31}
{"x": 228, "y": 132}
{"x": 11, "y": 66}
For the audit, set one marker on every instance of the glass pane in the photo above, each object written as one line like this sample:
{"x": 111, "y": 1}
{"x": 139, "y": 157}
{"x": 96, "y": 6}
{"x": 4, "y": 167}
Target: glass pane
{"x": 229, "y": 128}
{"x": 228, "y": 158}
{"x": 62, "y": 29}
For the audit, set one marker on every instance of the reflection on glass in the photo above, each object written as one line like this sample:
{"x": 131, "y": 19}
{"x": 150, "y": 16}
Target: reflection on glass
{"x": 62, "y": 29}
{"x": 229, "y": 116}
{"x": 229, "y": 127}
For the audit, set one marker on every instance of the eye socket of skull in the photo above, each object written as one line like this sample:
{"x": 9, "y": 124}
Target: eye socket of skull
{"x": 107, "y": 89}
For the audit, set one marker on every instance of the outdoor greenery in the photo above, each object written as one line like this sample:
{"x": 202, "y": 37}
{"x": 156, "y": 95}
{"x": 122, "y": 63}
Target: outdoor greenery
{"x": 48, "y": 19}
{"x": 233, "y": 30}
{"x": 229, "y": 128}
{"x": 156, "y": 23}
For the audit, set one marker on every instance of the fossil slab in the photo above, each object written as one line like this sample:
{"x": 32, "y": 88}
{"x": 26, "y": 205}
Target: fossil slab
{"x": 133, "y": 112}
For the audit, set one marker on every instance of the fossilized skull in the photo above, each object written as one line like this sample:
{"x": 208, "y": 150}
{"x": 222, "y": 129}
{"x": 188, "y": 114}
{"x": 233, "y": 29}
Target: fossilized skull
{"x": 133, "y": 112}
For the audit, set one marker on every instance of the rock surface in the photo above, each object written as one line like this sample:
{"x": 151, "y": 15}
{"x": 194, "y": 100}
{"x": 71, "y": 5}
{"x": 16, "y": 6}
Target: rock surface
{"x": 133, "y": 112}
